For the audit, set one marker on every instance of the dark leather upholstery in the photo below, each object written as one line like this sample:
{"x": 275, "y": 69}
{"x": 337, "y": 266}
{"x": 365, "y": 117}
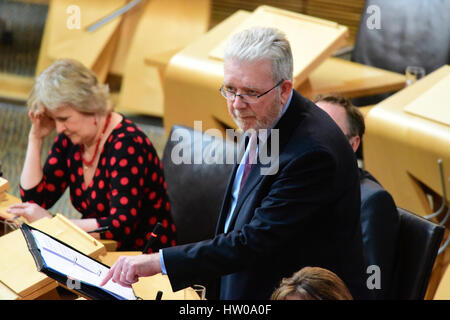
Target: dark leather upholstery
{"x": 418, "y": 245}
{"x": 403, "y": 245}
{"x": 196, "y": 191}
{"x": 412, "y": 33}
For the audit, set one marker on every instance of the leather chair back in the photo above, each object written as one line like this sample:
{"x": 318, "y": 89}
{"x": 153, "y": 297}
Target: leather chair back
{"x": 418, "y": 245}
{"x": 197, "y": 186}
{"x": 410, "y": 33}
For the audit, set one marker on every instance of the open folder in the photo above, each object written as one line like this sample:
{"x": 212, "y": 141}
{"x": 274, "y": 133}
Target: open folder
{"x": 71, "y": 267}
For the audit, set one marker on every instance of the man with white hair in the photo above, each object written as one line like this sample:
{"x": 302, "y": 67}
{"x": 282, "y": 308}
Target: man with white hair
{"x": 272, "y": 223}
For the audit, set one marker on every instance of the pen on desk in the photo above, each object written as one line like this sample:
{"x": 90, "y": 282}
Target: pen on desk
{"x": 106, "y": 228}
{"x": 159, "y": 295}
{"x": 153, "y": 236}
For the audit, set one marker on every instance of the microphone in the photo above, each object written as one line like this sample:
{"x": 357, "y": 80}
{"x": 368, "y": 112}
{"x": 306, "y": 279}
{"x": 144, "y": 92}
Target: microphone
{"x": 102, "y": 229}
{"x": 155, "y": 234}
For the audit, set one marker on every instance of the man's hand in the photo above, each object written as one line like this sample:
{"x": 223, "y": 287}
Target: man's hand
{"x": 128, "y": 269}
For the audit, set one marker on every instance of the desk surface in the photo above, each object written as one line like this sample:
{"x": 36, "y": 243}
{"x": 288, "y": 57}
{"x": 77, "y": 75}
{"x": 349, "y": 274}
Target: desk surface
{"x": 193, "y": 79}
{"x": 147, "y": 287}
{"x": 14, "y": 286}
{"x": 401, "y": 149}
{"x": 18, "y": 273}
{"x": 322, "y": 37}
{"x": 350, "y": 79}
{"x": 9, "y": 200}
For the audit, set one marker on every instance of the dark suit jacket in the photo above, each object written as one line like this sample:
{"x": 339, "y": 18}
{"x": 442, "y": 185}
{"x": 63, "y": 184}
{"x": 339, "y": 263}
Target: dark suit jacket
{"x": 307, "y": 214}
{"x": 380, "y": 223}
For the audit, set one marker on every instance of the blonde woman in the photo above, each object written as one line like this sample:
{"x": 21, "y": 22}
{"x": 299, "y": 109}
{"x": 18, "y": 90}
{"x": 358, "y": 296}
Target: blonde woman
{"x": 113, "y": 172}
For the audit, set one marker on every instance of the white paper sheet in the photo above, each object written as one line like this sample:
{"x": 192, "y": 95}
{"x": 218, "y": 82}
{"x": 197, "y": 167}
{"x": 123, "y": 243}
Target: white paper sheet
{"x": 76, "y": 266}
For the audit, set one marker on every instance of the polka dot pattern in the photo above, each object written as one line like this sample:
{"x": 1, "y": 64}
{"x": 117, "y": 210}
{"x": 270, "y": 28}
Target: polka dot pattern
{"x": 127, "y": 192}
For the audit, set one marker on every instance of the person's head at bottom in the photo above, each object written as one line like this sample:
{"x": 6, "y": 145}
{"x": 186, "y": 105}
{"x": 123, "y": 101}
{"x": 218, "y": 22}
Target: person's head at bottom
{"x": 312, "y": 283}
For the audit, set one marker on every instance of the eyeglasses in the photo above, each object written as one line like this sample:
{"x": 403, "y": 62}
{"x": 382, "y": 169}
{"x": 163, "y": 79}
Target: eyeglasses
{"x": 246, "y": 97}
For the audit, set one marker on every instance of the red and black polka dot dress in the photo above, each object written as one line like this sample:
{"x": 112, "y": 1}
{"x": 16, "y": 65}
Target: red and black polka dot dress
{"x": 127, "y": 192}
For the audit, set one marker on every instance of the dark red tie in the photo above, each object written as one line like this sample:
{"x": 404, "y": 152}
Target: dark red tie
{"x": 249, "y": 161}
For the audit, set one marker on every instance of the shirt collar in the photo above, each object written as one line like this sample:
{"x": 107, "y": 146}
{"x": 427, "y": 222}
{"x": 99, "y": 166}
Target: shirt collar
{"x": 263, "y": 138}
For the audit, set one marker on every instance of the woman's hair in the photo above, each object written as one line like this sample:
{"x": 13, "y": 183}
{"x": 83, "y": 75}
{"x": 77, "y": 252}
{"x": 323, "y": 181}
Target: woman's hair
{"x": 68, "y": 83}
{"x": 312, "y": 283}
{"x": 260, "y": 43}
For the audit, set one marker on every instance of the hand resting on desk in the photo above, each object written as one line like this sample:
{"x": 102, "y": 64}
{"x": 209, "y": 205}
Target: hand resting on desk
{"x": 30, "y": 211}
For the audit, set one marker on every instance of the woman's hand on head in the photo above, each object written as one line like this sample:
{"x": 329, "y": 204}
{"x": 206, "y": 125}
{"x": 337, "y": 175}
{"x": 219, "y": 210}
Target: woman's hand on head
{"x": 30, "y": 211}
{"x": 41, "y": 124}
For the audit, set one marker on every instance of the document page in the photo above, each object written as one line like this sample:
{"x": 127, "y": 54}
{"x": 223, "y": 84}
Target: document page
{"x": 76, "y": 266}
{"x": 432, "y": 104}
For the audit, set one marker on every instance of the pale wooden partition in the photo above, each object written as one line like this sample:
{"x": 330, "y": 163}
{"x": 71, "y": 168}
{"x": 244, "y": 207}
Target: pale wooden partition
{"x": 406, "y": 135}
{"x": 19, "y": 278}
{"x": 154, "y": 30}
{"x": 344, "y": 12}
{"x": 194, "y": 75}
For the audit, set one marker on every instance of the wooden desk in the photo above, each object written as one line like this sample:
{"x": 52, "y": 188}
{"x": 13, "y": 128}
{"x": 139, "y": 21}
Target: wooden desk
{"x": 405, "y": 136}
{"x": 19, "y": 278}
{"x": 443, "y": 287}
{"x": 350, "y": 79}
{"x": 401, "y": 149}
{"x": 193, "y": 78}
{"x": 15, "y": 87}
{"x": 147, "y": 287}
{"x": 194, "y": 75}
{"x": 178, "y": 23}
{"x": 121, "y": 46}
{"x": 4, "y": 205}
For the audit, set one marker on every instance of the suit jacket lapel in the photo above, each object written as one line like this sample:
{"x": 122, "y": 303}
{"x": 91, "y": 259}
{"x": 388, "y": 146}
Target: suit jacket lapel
{"x": 286, "y": 124}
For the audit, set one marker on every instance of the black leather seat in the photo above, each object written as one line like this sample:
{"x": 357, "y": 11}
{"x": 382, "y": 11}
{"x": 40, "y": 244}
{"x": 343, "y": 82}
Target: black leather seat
{"x": 195, "y": 191}
{"x": 411, "y": 33}
{"x": 418, "y": 245}
{"x": 401, "y": 244}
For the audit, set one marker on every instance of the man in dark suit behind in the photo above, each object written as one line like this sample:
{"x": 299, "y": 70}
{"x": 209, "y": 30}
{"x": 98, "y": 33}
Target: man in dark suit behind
{"x": 299, "y": 209}
{"x": 379, "y": 216}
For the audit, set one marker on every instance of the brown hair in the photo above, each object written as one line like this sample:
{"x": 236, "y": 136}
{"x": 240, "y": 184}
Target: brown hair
{"x": 355, "y": 118}
{"x": 312, "y": 283}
